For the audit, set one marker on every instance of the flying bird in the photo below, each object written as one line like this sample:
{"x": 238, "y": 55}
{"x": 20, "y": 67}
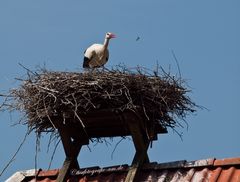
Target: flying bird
{"x": 97, "y": 54}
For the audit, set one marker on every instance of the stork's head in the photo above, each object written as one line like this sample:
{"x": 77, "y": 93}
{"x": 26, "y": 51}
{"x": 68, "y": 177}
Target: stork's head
{"x": 110, "y": 35}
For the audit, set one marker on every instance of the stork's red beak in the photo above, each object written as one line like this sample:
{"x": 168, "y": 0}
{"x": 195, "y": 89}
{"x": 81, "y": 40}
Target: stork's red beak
{"x": 113, "y": 36}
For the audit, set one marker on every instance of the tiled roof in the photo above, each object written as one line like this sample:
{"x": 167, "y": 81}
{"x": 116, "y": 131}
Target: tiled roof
{"x": 208, "y": 170}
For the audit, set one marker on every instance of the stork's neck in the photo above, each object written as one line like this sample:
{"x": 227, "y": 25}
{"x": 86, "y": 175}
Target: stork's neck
{"x": 106, "y": 42}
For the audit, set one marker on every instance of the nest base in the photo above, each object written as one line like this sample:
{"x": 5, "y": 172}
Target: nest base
{"x": 106, "y": 123}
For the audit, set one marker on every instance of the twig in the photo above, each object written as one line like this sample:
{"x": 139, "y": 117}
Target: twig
{"x": 53, "y": 154}
{"x": 116, "y": 147}
{"x": 50, "y": 120}
{"x": 28, "y": 70}
{"x": 83, "y": 126}
{"x": 15, "y": 154}
{"x": 175, "y": 58}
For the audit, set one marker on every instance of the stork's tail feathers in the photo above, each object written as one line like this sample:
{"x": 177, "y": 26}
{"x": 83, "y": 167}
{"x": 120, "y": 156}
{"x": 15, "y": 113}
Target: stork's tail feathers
{"x": 86, "y": 62}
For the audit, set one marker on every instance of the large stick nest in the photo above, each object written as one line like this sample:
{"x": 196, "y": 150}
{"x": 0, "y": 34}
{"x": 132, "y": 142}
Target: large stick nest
{"x": 44, "y": 94}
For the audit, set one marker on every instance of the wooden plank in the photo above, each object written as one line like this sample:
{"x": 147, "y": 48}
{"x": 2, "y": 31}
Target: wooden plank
{"x": 62, "y": 176}
{"x": 140, "y": 140}
{"x": 72, "y": 144}
{"x": 131, "y": 174}
{"x": 141, "y": 144}
{"x": 107, "y": 123}
{"x": 140, "y": 158}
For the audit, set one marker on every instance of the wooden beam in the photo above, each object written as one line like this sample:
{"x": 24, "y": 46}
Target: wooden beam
{"x": 72, "y": 144}
{"x": 64, "y": 171}
{"x": 141, "y": 144}
{"x": 74, "y": 136}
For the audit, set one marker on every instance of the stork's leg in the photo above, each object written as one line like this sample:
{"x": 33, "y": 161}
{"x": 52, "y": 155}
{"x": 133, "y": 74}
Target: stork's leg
{"x": 93, "y": 70}
{"x": 86, "y": 70}
{"x": 104, "y": 68}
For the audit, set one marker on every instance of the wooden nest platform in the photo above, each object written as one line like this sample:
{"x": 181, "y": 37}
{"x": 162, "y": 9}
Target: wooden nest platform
{"x": 79, "y": 107}
{"x": 100, "y": 101}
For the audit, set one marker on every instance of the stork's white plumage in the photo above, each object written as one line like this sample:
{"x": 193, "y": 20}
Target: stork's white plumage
{"x": 97, "y": 54}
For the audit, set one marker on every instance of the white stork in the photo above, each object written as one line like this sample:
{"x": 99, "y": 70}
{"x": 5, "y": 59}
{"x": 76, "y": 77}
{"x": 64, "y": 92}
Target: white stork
{"x": 97, "y": 54}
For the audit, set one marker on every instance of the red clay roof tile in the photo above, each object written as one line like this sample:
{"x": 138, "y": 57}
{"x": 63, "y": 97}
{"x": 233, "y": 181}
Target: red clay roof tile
{"x": 208, "y": 170}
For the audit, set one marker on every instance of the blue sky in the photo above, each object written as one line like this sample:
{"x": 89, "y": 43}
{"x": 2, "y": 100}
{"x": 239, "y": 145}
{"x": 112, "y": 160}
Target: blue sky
{"x": 203, "y": 34}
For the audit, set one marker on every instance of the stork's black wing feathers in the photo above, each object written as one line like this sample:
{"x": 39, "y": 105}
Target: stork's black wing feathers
{"x": 86, "y": 62}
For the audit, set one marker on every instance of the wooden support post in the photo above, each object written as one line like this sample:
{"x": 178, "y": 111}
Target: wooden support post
{"x": 64, "y": 170}
{"x": 141, "y": 144}
{"x": 72, "y": 146}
